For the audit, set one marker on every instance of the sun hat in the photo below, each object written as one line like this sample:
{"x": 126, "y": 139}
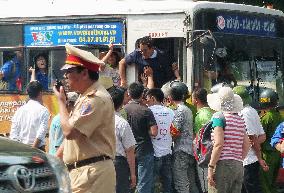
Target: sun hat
{"x": 106, "y": 81}
{"x": 77, "y": 57}
{"x": 243, "y": 93}
{"x": 225, "y": 100}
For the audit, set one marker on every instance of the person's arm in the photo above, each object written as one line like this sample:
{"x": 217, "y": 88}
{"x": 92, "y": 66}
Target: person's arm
{"x": 36, "y": 143}
{"x": 280, "y": 147}
{"x": 1, "y": 74}
{"x": 148, "y": 71}
{"x": 257, "y": 149}
{"x": 15, "y": 130}
{"x": 277, "y": 138}
{"x": 246, "y": 146}
{"x": 216, "y": 152}
{"x": 261, "y": 138}
{"x": 107, "y": 56}
{"x": 150, "y": 82}
{"x": 122, "y": 72}
{"x": 33, "y": 76}
{"x": 59, "y": 152}
{"x": 42, "y": 129}
{"x": 176, "y": 70}
{"x": 130, "y": 155}
{"x": 153, "y": 130}
{"x": 5, "y": 69}
{"x": 218, "y": 145}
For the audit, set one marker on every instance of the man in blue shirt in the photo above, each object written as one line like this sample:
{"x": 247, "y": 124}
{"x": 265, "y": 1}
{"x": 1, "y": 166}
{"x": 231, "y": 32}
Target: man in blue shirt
{"x": 164, "y": 68}
{"x": 10, "y": 72}
{"x": 55, "y": 132}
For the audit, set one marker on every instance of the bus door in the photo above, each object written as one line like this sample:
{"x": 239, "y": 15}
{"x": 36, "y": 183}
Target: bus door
{"x": 167, "y": 31}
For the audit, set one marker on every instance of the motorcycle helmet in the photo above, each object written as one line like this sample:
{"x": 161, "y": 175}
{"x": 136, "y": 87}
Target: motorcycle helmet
{"x": 268, "y": 98}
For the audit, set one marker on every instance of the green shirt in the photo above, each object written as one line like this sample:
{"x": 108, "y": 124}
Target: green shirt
{"x": 270, "y": 120}
{"x": 203, "y": 116}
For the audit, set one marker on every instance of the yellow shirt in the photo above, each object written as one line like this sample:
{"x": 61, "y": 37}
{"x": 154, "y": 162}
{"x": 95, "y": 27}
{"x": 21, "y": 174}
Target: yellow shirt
{"x": 93, "y": 116}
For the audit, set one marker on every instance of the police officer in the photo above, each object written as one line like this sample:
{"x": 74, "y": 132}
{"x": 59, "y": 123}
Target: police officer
{"x": 89, "y": 144}
{"x": 271, "y": 118}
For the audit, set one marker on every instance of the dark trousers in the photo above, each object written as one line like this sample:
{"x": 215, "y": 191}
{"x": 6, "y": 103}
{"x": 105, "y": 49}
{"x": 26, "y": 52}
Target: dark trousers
{"x": 122, "y": 174}
{"x": 163, "y": 172}
{"x": 251, "y": 183}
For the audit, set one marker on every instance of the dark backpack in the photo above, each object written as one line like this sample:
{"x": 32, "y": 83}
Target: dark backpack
{"x": 203, "y": 145}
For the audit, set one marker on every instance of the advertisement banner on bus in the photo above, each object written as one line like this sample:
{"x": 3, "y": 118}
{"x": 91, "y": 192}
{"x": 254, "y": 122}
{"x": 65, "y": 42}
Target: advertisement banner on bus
{"x": 232, "y": 23}
{"x": 75, "y": 33}
{"x": 10, "y": 103}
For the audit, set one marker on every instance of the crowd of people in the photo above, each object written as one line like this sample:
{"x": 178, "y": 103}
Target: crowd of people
{"x": 121, "y": 139}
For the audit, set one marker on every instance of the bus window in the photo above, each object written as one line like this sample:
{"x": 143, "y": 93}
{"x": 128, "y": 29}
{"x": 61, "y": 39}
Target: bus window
{"x": 12, "y": 71}
{"x": 38, "y": 68}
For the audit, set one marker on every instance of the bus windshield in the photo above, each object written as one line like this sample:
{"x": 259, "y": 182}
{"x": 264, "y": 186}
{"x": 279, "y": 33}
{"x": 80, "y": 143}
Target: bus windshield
{"x": 238, "y": 48}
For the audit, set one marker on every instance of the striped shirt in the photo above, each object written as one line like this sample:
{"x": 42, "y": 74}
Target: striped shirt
{"x": 233, "y": 135}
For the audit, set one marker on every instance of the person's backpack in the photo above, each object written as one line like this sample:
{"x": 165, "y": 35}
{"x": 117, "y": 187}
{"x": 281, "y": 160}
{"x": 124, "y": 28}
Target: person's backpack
{"x": 203, "y": 145}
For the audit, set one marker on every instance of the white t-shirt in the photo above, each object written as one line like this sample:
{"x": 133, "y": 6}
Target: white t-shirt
{"x": 163, "y": 141}
{"x": 124, "y": 136}
{"x": 253, "y": 127}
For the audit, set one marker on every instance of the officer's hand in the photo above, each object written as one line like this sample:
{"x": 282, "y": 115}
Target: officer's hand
{"x": 60, "y": 94}
{"x": 133, "y": 181}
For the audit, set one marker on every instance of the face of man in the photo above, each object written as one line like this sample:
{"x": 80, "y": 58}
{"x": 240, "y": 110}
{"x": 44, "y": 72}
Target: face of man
{"x": 146, "y": 51}
{"x": 193, "y": 100}
{"x": 72, "y": 78}
{"x": 150, "y": 100}
{"x": 41, "y": 62}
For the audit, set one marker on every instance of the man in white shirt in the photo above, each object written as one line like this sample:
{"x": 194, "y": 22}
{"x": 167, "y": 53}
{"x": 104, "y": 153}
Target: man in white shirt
{"x": 163, "y": 141}
{"x": 30, "y": 121}
{"x": 253, "y": 161}
{"x": 125, "y": 146}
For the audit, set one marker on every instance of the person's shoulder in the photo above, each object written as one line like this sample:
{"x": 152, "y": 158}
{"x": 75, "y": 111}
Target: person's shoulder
{"x": 121, "y": 121}
{"x": 56, "y": 117}
{"x": 218, "y": 115}
{"x": 280, "y": 127}
{"x": 134, "y": 52}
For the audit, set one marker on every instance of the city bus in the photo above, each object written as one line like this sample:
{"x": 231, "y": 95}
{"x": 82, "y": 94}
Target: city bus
{"x": 204, "y": 38}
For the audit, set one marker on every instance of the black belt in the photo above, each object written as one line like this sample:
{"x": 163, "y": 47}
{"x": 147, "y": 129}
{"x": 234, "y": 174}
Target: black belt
{"x": 86, "y": 162}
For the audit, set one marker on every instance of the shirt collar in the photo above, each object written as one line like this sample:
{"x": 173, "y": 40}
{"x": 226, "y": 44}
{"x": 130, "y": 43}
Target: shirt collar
{"x": 154, "y": 55}
{"x": 92, "y": 89}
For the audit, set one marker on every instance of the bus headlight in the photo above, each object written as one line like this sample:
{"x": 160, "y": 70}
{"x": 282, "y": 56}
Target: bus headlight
{"x": 61, "y": 173}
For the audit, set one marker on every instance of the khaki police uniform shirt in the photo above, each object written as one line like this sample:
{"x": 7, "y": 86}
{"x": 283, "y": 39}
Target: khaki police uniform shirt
{"x": 93, "y": 116}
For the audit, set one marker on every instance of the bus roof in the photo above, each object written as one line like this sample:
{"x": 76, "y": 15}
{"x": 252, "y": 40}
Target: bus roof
{"x": 46, "y": 8}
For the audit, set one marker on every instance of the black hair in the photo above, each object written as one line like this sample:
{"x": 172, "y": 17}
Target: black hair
{"x": 147, "y": 40}
{"x": 156, "y": 93}
{"x": 45, "y": 58}
{"x": 92, "y": 74}
{"x": 135, "y": 90}
{"x": 117, "y": 96}
{"x": 201, "y": 94}
{"x": 176, "y": 94}
{"x": 33, "y": 89}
